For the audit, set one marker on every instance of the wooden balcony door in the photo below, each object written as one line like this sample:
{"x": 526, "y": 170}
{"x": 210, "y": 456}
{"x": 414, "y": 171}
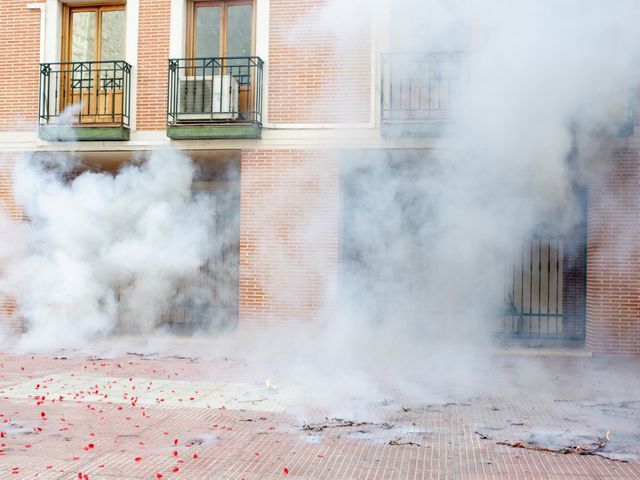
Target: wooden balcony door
{"x": 225, "y": 29}
{"x": 94, "y": 34}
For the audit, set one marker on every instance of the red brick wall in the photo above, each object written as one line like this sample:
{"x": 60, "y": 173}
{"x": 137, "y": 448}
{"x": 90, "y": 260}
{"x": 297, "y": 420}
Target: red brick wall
{"x": 7, "y": 203}
{"x": 12, "y": 210}
{"x": 153, "y": 55}
{"x": 316, "y": 76}
{"x": 613, "y": 257}
{"x": 288, "y": 234}
{"x": 19, "y": 58}
{"x": 635, "y": 108}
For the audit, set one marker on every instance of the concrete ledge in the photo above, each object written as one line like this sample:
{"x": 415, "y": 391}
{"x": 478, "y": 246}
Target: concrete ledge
{"x": 88, "y": 134}
{"x": 564, "y": 347}
{"x": 194, "y": 132}
{"x": 544, "y": 352}
{"x": 413, "y": 129}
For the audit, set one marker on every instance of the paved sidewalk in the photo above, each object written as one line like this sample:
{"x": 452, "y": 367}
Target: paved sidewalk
{"x": 149, "y": 417}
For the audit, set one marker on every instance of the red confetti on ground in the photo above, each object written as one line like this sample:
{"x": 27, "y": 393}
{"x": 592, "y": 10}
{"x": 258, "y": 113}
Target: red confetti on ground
{"x": 195, "y": 455}
{"x": 137, "y": 459}
{"x": 175, "y": 453}
{"x": 42, "y": 414}
{"x": 159, "y": 475}
{"x": 175, "y": 442}
{"x": 175, "y": 469}
{"x": 285, "y": 471}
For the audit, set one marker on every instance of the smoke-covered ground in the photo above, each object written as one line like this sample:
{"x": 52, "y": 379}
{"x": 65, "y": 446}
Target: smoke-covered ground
{"x": 194, "y": 415}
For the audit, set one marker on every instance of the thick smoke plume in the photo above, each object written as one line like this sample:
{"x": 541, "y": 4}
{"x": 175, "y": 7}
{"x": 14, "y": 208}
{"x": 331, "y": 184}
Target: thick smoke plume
{"x": 537, "y": 78}
{"x": 428, "y": 235}
{"x": 103, "y": 252}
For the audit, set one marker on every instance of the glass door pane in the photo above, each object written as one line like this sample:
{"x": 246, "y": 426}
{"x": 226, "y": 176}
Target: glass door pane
{"x": 239, "y": 27}
{"x": 207, "y": 26}
{"x": 109, "y": 100}
{"x": 239, "y": 44}
{"x": 83, "y": 36}
{"x": 112, "y": 35}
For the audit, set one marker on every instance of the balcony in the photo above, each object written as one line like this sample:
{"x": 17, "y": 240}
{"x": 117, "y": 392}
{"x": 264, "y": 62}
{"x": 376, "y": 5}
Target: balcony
{"x": 627, "y": 124}
{"x": 84, "y": 101}
{"x": 420, "y": 92}
{"x": 215, "y": 98}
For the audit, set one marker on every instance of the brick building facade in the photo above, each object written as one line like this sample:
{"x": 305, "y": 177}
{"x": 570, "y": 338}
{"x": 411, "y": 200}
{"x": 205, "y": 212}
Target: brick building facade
{"x": 302, "y": 97}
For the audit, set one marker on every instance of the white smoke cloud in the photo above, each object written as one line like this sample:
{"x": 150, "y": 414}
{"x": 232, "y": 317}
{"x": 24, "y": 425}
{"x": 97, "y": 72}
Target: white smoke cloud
{"x": 538, "y": 76}
{"x": 103, "y": 252}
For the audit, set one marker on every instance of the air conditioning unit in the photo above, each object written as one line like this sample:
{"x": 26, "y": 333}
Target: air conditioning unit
{"x": 207, "y": 98}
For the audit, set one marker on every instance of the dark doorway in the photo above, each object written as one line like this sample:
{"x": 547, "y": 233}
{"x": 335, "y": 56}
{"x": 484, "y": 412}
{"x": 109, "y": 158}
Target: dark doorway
{"x": 210, "y": 302}
{"x": 396, "y": 265}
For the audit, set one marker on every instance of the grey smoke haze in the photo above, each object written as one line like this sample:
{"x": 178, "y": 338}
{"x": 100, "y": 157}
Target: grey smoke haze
{"x": 443, "y": 223}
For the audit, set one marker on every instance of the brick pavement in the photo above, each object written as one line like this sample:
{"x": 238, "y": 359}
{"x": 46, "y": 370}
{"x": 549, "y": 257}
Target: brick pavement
{"x": 149, "y": 417}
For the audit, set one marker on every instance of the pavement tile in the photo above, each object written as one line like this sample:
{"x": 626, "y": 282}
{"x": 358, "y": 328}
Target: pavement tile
{"x": 110, "y": 414}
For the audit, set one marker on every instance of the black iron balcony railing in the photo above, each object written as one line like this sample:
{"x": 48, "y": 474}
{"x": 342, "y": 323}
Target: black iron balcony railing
{"x": 93, "y": 94}
{"x": 215, "y": 90}
{"x": 422, "y": 87}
